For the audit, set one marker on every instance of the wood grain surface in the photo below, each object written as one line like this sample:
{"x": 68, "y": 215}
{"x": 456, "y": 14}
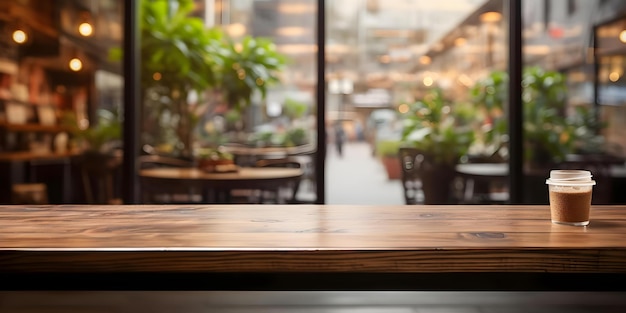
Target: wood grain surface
{"x": 307, "y": 238}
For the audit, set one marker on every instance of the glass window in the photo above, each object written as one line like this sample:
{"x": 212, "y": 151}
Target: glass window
{"x": 569, "y": 123}
{"x": 251, "y": 97}
{"x": 403, "y": 74}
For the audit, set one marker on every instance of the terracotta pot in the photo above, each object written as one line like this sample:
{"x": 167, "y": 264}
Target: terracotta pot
{"x": 392, "y": 166}
{"x": 209, "y": 165}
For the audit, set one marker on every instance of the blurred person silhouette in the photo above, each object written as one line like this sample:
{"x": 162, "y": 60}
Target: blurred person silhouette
{"x": 340, "y": 137}
{"x": 358, "y": 129}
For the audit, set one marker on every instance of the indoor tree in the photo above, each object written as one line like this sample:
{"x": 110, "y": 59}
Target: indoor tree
{"x": 179, "y": 59}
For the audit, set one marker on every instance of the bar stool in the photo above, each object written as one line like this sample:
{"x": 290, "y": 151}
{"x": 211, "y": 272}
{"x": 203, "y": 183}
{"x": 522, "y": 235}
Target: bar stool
{"x": 36, "y": 193}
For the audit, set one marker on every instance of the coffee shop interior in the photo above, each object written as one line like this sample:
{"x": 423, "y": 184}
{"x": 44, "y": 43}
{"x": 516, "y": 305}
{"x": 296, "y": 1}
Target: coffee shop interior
{"x": 237, "y": 101}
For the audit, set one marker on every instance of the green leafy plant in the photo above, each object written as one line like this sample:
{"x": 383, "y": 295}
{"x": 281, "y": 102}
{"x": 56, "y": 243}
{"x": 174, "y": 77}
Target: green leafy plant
{"x": 489, "y": 96}
{"x": 546, "y": 133}
{"x": 178, "y": 56}
{"x": 181, "y": 58}
{"x": 248, "y": 66}
{"x": 100, "y": 137}
{"x": 549, "y": 132}
{"x": 295, "y": 136}
{"x": 585, "y": 129}
{"x": 214, "y": 154}
{"x": 388, "y": 147}
{"x": 294, "y": 109}
{"x": 261, "y": 138}
{"x": 433, "y": 126}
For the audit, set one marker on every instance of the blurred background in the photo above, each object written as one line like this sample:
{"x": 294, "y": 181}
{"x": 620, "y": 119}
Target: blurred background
{"x": 240, "y": 77}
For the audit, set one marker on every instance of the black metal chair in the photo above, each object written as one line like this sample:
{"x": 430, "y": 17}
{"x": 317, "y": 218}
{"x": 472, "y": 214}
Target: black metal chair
{"x": 410, "y": 161}
{"x": 286, "y": 194}
{"x": 157, "y": 192}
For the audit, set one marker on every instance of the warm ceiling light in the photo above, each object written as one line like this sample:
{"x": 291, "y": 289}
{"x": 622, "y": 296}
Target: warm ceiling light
{"x": 85, "y": 29}
{"x": 425, "y": 60}
{"x": 622, "y": 36}
{"x": 297, "y": 48}
{"x": 236, "y": 30}
{"x": 536, "y": 49}
{"x": 490, "y": 17}
{"x": 76, "y": 64}
{"x": 465, "y": 80}
{"x": 295, "y": 8}
{"x": 438, "y": 46}
{"x": 384, "y": 58}
{"x": 290, "y": 31}
{"x": 403, "y": 108}
{"x": 614, "y": 76}
{"x": 460, "y": 41}
{"x": 391, "y": 33}
{"x": 20, "y": 36}
{"x": 428, "y": 81}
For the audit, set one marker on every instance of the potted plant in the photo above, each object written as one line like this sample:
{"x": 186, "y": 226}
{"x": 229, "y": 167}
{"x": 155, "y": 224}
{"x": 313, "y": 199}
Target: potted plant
{"x": 489, "y": 96}
{"x": 247, "y": 67}
{"x": 295, "y": 136}
{"x": 101, "y": 137}
{"x": 387, "y": 150}
{"x": 214, "y": 160}
{"x": 547, "y": 135}
{"x": 179, "y": 60}
{"x": 442, "y": 132}
{"x": 549, "y": 132}
{"x": 188, "y": 70}
{"x": 100, "y": 154}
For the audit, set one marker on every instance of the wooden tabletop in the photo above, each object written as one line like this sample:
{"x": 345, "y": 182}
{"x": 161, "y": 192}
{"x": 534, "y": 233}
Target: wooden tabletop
{"x": 244, "y": 173}
{"x": 245, "y": 177}
{"x": 308, "y": 238}
{"x": 249, "y": 150}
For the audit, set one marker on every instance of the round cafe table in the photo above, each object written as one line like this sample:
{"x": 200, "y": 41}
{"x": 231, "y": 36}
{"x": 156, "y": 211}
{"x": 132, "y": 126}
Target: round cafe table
{"x": 219, "y": 185}
{"x": 478, "y": 177}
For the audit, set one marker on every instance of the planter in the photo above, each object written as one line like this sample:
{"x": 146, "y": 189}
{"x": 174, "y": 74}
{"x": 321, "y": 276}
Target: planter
{"x": 436, "y": 183}
{"x": 214, "y": 165}
{"x": 392, "y": 166}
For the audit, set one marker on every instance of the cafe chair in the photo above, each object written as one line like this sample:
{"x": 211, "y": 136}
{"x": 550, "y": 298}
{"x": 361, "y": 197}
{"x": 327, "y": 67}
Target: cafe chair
{"x": 306, "y": 156}
{"x": 285, "y": 194}
{"x": 410, "y": 159}
{"x": 99, "y": 175}
{"x": 488, "y": 187}
{"x": 158, "y": 192}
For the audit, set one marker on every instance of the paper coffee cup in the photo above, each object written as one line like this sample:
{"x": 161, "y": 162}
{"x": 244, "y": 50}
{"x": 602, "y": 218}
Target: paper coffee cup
{"x": 570, "y": 196}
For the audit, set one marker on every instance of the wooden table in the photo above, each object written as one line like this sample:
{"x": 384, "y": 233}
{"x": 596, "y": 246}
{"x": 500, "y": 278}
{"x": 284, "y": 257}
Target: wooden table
{"x": 248, "y": 155}
{"x": 20, "y": 167}
{"x": 244, "y": 178}
{"x": 304, "y": 247}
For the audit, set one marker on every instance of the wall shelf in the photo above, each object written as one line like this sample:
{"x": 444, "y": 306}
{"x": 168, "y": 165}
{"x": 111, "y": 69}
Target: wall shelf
{"x": 31, "y": 127}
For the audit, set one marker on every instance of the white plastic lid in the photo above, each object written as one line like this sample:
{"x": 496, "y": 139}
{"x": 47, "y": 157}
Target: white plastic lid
{"x": 570, "y": 175}
{"x": 570, "y": 178}
{"x": 573, "y": 183}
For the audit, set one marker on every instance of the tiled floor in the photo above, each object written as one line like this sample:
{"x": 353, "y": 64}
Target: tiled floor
{"x": 357, "y": 177}
{"x": 313, "y": 302}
